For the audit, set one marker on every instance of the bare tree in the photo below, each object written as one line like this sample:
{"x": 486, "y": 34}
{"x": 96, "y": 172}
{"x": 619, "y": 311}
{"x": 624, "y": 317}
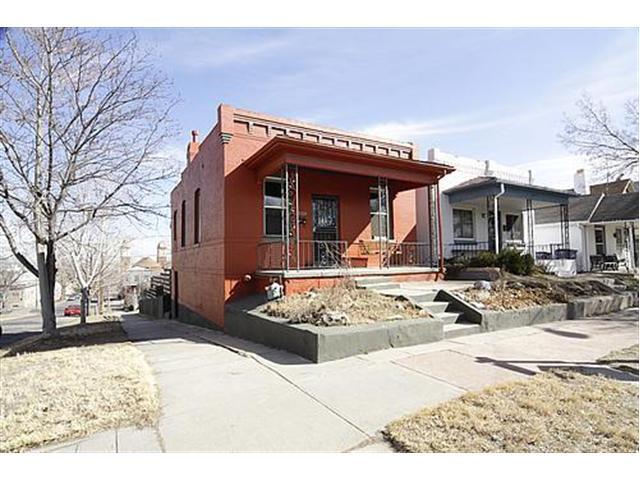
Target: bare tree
{"x": 10, "y": 274}
{"x": 93, "y": 254}
{"x": 612, "y": 150}
{"x": 83, "y": 119}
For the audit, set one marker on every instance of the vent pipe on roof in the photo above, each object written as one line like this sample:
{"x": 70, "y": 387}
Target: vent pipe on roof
{"x": 487, "y": 168}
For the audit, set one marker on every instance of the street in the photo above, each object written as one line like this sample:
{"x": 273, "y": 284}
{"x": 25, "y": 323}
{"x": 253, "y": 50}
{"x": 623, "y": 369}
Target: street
{"x": 14, "y": 329}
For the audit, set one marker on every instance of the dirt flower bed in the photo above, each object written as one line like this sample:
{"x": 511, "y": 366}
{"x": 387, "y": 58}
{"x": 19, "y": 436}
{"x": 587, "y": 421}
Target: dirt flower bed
{"x": 523, "y": 292}
{"x": 87, "y": 380}
{"x": 551, "y": 412}
{"x": 341, "y": 305}
{"x": 513, "y": 297}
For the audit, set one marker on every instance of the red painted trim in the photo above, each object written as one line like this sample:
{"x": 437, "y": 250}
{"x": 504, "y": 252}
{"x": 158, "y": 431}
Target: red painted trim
{"x": 297, "y": 150}
{"x": 440, "y": 245}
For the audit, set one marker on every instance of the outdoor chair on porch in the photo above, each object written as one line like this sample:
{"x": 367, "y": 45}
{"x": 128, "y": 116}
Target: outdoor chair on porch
{"x": 597, "y": 262}
{"x": 613, "y": 263}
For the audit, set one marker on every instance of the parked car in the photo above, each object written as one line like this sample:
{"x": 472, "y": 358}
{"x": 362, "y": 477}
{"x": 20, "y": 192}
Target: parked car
{"x": 72, "y": 311}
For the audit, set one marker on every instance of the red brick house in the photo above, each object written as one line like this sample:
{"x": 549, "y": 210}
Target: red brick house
{"x": 264, "y": 197}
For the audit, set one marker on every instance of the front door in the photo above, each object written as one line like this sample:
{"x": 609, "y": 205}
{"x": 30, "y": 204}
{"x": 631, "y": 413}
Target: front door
{"x": 325, "y": 231}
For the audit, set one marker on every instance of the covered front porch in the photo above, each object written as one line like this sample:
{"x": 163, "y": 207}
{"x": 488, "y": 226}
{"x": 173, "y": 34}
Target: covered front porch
{"x": 330, "y": 212}
{"x": 490, "y": 214}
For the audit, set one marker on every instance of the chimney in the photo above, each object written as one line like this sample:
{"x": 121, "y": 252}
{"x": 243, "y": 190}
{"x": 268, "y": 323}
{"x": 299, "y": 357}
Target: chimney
{"x": 530, "y": 177}
{"x": 580, "y": 182}
{"x": 193, "y": 147}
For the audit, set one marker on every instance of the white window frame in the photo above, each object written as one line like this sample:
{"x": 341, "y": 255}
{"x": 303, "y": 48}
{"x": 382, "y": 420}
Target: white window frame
{"x": 390, "y": 236}
{"x": 265, "y": 207}
{"x": 604, "y": 239}
{"x": 473, "y": 224}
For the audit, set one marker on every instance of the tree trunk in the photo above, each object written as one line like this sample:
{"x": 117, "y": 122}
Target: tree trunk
{"x": 84, "y": 304}
{"x": 46, "y": 295}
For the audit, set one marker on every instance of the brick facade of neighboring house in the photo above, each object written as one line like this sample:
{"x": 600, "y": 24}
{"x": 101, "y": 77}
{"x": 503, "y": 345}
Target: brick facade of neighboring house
{"x": 226, "y": 242}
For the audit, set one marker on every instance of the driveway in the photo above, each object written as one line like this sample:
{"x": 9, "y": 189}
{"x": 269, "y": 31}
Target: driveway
{"x": 224, "y": 394}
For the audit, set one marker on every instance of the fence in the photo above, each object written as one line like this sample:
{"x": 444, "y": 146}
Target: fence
{"x": 337, "y": 254}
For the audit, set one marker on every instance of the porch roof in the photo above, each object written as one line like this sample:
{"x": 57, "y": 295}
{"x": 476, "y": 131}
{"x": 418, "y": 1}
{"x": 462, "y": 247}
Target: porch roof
{"x": 281, "y": 150}
{"x": 487, "y": 186}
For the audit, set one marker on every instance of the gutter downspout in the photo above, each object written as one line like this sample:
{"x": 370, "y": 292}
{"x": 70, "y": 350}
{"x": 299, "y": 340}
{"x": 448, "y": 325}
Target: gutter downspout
{"x": 496, "y": 220}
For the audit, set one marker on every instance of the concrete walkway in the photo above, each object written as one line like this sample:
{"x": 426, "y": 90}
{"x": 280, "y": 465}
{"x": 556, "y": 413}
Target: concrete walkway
{"x": 223, "y": 394}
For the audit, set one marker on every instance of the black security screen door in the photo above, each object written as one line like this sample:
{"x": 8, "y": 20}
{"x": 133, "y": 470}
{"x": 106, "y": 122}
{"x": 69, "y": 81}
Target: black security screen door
{"x": 325, "y": 230}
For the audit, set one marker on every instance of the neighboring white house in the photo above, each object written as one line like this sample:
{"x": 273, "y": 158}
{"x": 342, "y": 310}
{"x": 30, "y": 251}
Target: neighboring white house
{"x": 602, "y": 225}
{"x": 138, "y": 274}
{"x": 487, "y": 207}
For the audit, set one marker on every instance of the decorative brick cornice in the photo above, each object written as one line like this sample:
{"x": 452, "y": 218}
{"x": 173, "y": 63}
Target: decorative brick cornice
{"x": 225, "y": 137}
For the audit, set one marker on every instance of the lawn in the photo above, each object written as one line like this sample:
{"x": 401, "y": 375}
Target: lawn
{"x": 89, "y": 379}
{"x": 559, "y": 411}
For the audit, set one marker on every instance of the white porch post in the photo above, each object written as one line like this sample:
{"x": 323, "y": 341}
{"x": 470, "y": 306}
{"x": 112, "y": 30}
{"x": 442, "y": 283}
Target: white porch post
{"x": 496, "y": 225}
{"x": 631, "y": 245}
{"x": 496, "y": 219}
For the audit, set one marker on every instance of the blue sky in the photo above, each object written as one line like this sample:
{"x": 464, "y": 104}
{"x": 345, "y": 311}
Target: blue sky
{"x": 486, "y": 93}
{"x": 493, "y": 94}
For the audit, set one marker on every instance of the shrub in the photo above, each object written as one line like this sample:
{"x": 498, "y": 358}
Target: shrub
{"x": 455, "y": 264}
{"x": 484, "y": 259}
{"x": 513, "y": 262}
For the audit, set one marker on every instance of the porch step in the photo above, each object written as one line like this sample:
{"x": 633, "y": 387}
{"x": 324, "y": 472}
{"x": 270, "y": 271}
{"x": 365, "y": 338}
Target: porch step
{"x": 364, "y": 281}
{"x": 434, "y": 307}
{"x": 394, "y": 291}
{"x": 379, "y": 287}
{"x": 461, "y": 329}
{"x": 449, "y": 318}
{"x": 421, "y": 296}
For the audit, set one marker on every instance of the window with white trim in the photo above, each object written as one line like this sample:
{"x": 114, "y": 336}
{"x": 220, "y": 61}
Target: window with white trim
{"x": 379, "y": 213}
{"x": 463, "y": 224}
{"x": 273, "y": 203}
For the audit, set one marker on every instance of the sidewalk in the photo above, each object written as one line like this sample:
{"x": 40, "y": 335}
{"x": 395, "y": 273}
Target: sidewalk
{"x": 223, "y": 394}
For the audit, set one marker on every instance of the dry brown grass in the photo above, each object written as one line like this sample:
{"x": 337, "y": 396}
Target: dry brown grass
{"x": 360, "y": 306}
{"x": 514, "y": 292}
{"x": 502, "y": 297}
{"x": 90, "y": 379}
{"x": 551, "y": 412}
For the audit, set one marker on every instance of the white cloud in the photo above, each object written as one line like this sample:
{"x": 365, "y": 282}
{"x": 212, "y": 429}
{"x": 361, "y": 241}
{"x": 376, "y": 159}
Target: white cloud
{"x": 557, "y": 172}
{"x": 612, "y": 78}
{"x": 198, "y": 49}
{"x": 408, "y": 130}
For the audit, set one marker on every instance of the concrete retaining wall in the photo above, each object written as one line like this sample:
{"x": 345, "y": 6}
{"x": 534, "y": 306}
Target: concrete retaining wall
{"x": 320, "y": 344}
{"x": 492, "y": 320}
{"x": 579, "y": 308}
{"x": 589, "y": 307}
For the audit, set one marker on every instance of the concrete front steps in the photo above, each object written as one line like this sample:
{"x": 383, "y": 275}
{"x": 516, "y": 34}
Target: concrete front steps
{"x": 454, "y": 322}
